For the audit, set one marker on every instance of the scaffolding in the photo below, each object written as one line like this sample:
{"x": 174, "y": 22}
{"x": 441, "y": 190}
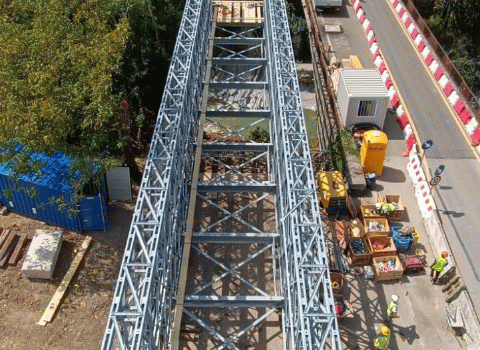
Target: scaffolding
{"x": 227, "y": 201}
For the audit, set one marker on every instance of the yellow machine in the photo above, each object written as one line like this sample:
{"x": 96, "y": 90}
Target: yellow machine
{"x": 355, "y": 62}
{"x": 333, "y": 193}
{"x": 373, "y": 150}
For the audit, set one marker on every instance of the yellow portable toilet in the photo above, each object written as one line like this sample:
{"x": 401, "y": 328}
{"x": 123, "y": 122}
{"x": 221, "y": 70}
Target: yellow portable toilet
{"x": 373, "y": 150}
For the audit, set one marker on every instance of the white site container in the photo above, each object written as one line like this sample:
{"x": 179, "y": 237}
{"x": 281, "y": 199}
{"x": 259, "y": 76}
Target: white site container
{"x": 362, "y": 97}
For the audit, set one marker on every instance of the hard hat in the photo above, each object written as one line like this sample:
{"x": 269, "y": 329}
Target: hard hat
{"x": 444, "y": 254}
{"x": 385, "y": 330}
{"x": 395, "y": 298}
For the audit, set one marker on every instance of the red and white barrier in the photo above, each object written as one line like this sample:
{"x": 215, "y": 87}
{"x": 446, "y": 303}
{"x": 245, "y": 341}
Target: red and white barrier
{"x": 425, "y": 53}
{"x": 438, "y": 74}
{"x": 366, "y": 24}
{"x": 471, "y": 126}
{"x": 453, "y": 98}
{"x": 411, "y": 28}
{"x": 443, "y": 81}
{"x": 378, "y": 62}
{"x": 418, "y": 39}
{"x": 407, "y": 131}
{"x": 422, "y": 46}
{"x": 448, "y": 89}
{"x": 475, "y": 137}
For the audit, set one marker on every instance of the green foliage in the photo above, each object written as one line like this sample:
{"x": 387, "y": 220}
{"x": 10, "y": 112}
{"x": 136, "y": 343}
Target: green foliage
{"x": 82, "y": 77}
{"x": 456, "y": 23}
{"x": 342, "y": 145}
{"x": 260, "y": 134}
{"x": 424, "y": 7}
{"x": 297, "y": 22}
{"x": 56, "y": 72}
{"x": 469, "y": 67}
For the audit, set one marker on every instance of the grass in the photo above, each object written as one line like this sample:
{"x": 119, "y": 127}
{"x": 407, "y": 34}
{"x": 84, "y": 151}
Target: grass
{"x": 236, "y": 123}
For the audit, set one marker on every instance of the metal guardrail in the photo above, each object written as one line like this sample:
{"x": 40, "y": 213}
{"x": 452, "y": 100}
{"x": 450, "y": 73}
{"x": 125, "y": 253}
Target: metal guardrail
{"x": 462, "y": 87}
{"x": 327, "y": 113}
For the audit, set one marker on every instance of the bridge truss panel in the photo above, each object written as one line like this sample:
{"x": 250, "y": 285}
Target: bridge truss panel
{"x": 233, "y": 296}
{"x": 310, "y": 321}
{"x": 141, "y": 315}
{"x": 143, "y": 302}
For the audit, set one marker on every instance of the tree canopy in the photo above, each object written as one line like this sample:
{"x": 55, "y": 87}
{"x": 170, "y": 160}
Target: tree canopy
{"x": 456, "y": 24}
{"x": 84, "y": 76}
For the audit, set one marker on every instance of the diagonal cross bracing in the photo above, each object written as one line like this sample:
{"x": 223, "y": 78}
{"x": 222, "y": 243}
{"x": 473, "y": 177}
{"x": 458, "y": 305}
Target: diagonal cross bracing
{"x": 238, "y": 201}
{"x": 310, "y": 319}
{"x": 141, "y": 311}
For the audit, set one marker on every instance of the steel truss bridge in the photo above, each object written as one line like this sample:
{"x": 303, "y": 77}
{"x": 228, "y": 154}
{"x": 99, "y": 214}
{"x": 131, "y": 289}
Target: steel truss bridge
{"x": 226, "y": 249}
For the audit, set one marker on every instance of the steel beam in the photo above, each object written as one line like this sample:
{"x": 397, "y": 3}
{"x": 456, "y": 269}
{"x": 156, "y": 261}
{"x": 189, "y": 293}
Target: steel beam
{"x": 234, "y": 237}
{"x": 310, "y": 321}
{"x": 238, "y": 41}
{"x": 236, "y": 147}
{"x": 231, "y": 113}
{"x": 144, "y": 298}
{"x": 247, "y": 85}
{"x": 239, "y": 61}
{"x": 202, "y": 301}
{"x": 234, "y": 187}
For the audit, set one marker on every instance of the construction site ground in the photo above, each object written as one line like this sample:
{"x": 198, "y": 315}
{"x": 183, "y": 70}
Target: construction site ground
{"x": 81, "y": 318}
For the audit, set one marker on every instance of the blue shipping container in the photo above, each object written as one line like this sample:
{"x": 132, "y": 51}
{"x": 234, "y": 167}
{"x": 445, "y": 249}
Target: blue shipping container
{"x": 34, "y": 196}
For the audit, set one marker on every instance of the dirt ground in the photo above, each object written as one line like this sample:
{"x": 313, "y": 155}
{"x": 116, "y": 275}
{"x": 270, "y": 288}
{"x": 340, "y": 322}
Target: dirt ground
{"x": 81, "y": 319}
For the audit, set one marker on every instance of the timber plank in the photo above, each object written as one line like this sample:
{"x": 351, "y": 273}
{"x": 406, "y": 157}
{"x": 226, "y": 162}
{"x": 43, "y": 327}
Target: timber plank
{"x": 6, "y": 243}
{"x": 9, "y": 250}
{"x": 16, "y": 253}
{"x": 4, "y": 236}
{"x": 62, "y": 288}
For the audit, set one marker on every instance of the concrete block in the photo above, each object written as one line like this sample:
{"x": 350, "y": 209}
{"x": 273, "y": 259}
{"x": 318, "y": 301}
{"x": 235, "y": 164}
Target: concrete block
{"x": 42, "y": 254}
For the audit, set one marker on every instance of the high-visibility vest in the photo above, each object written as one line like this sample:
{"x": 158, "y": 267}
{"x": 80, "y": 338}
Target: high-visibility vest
{"x": 439, "y": 264}
{"x": 386, "y": 208}
{"x": 392, "y": 307}
{"x": 382, "y": 341}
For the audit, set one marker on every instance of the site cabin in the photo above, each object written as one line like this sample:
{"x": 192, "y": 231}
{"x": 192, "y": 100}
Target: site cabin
{"x": 328, "y": 4}
{"x": 362, "y": 97}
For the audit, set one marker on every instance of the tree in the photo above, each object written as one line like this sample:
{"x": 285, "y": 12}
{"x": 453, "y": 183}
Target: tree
{"x": 455, "y": 23}
{"x": 83, "y": 77}
{"x": 56, "y": 72}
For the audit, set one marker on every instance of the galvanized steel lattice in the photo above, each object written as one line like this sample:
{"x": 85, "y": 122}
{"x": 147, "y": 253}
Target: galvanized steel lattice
{"x": 143, "y": 304}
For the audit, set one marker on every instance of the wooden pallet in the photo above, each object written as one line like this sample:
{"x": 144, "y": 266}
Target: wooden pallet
{"x": 243, "y": 13}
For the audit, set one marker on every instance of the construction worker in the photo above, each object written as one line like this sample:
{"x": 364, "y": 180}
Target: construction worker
{"x": 382, "y": 340}
{"x": 392, "y": 308}
{"x": 438, "y": 266}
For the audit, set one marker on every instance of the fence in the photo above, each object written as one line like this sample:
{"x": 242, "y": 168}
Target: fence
{"x": 449, "y": 68}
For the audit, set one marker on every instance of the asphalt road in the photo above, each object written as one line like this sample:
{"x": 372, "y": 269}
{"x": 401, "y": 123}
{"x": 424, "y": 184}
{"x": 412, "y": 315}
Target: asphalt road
{"x": 458, "y": 194}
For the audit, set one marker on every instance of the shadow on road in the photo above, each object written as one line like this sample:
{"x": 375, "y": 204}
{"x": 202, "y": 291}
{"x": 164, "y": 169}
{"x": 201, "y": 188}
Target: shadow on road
{"x": 392, "y": 175}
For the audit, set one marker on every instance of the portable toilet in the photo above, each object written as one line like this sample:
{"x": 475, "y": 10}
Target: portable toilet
{"x": 333, "y": 193}
{"x": 373, "y": 150}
